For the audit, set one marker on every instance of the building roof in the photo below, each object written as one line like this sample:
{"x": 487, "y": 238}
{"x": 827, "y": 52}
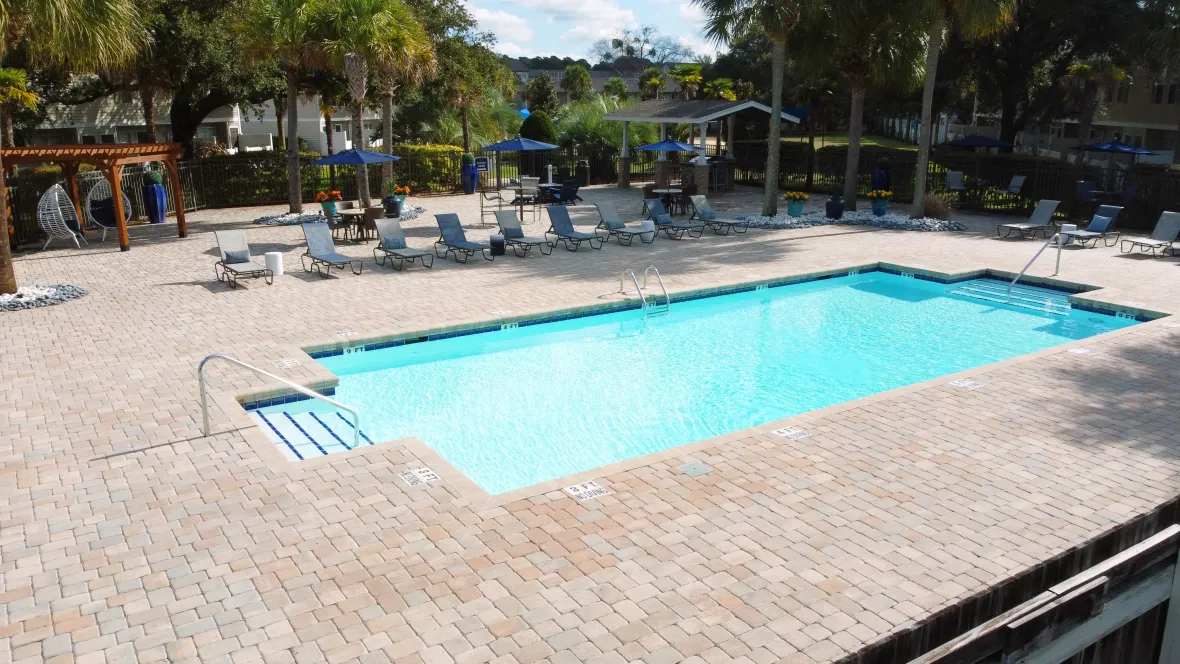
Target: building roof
{"x": 696, "y": 111}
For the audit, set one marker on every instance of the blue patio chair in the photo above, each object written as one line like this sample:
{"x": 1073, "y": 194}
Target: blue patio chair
{"x": 391, "y": 244}
{"x": 673, "y": 229}
{"x": 322, "y": 252}
{"x": 1040, "y": 222}
{"x": 454, "y": 240}
{"x": 562, "y": 228}
{"x": 1101, "y": 228}
{"x": 1162, "y": 237}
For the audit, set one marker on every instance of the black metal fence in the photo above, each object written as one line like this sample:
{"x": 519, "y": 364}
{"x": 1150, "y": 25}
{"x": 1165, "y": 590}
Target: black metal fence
{"x": 262, "y": 179}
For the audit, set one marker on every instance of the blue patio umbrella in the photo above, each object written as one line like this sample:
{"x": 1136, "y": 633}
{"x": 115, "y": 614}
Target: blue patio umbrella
{"x": 518, "y": 144}
{"x": 356, "y": 156}
{"x": 1113, "y": 147}
{"x": 667, "y": 145}
{"x": 977, "y": 141}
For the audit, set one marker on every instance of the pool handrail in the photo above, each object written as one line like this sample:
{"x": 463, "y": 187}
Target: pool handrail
{"x": 667, "y": 299}
{"x": 356, "y": 420}
{"x": 1055, "y": 236}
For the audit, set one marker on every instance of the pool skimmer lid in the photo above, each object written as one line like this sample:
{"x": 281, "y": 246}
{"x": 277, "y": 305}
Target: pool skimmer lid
{"x": 419, "y": 476}
{"x": 1083, "y": 351}
{"x": 586, "y": 491}
{"x": 695, "y": 469}
{"x": 791, "y": 433}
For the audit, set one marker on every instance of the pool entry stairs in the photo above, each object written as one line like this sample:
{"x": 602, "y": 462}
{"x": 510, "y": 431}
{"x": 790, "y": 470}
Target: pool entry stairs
{"x": 308, "y": 434}
{"x": 1041, "y": 300}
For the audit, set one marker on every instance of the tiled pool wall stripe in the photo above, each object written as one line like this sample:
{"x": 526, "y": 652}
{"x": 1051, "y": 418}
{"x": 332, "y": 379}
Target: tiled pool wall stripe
{"x": 287, "y": 398}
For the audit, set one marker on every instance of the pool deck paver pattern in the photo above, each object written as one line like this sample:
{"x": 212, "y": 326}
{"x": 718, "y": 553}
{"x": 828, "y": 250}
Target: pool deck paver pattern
{"x": 126, "y": 536}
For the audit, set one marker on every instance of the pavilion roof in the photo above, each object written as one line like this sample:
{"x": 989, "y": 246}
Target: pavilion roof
{"x": 697, "y": 111}
{"x": 106, "y": 154}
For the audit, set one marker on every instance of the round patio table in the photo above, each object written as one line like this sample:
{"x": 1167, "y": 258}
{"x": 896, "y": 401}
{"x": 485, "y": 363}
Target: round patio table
{"x": 356, "y": 218}
{"x": 667, "y": 196}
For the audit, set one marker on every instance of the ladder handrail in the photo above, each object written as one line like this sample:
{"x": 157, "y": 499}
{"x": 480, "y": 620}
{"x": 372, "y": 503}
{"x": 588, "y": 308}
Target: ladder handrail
{"x": 356, "y": 419}
{"x": 1037, "y": 255}
{"x": 652, "y": 268}
{"x": 637, "y": 288}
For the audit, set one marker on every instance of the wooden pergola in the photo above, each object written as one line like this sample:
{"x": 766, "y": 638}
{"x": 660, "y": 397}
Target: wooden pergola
{"x": 110, "y": 159}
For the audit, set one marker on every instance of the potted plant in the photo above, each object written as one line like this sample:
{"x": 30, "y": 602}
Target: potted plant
{"x": 795, "y": 201}
{"x": 395, "y": 198}
{"x": 880, "y": 200}
{"x": 469, "y": 175}
{"x": 155, "y": 201}
{"x": 327, "y": 200}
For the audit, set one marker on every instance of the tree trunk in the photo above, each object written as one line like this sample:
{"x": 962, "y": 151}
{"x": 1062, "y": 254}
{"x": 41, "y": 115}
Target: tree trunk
{"x": 773, "y": 145}
{"x": 147, "y": 95}
{"x": 387, "y": 135}
{"x": 294, "y": 186}
{"x": 719, "y": 128}
{"x": 328, "y": 131}
{"x": 466, "y": 129}
{"x": 7, "y": 273}
{"x": 852, "y": 169}
{"x": 810, "y": 151}
{"x": 280, "y": 104}
{"x": 9, "y": 139}
{"x": 358, "y": 142}
{"x": 933, "y": 45}
{"x": 1176, "y": 148}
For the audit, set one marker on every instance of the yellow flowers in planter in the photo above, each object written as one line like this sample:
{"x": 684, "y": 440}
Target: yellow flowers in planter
{"x": 796, "y": 196}
{"x": 880, "y": 194}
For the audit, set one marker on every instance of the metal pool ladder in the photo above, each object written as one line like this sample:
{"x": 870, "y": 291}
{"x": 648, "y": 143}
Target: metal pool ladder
{"x": 649, "y": 308}
{"x": 1018, "y": 296}
{"x": 356, "y": 420}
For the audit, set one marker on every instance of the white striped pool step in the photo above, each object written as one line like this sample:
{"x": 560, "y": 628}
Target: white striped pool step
{"x": 1027, "y": 297}
{"x": 308, "y": 435}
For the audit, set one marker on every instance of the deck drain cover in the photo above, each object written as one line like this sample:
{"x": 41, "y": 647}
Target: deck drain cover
{"x": 586, "y": 490}
{"x": 419, "y": 476}
{"x": 346, "y": 332}
{"x": 791, "y": 433}
{"x": 287, "y": 363}
{"x": 695, "y": 469}
{"x": 1083, "y": 351}
{"x": 967, "y": 384}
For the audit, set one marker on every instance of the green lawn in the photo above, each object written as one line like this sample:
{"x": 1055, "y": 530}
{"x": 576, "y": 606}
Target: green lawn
{"x": 842, "y": 139}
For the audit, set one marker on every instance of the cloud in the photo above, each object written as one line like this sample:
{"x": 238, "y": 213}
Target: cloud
{"x": 691, "y": 13}
{"x": 510, "y": 49}
{"x": 699, "y": 45}
{"x": 504, "y": 25}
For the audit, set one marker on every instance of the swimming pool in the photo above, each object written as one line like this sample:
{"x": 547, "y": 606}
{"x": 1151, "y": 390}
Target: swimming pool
{"x": 515, "y": 407}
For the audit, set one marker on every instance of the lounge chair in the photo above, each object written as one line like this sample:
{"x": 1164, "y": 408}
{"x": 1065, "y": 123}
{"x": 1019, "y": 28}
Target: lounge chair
{"x": 236, "y": 260}
{"x": 673, "y": 229}
{"x": 514, "y": 235}
{"x": 451, "y": 237}
{"x": 702, "y": 210}
{"x": 562, "y": 228}
{"x": 568, "y": 194}
{"x": 391, "y": 244}
{"x": 1040, "y": 222}
{"x": 1162, "y": 237}
{"x": 954, "y": 182}
{"x": 1101, "y": 228}
{"x": 322, "y": 252}
{"x": 617, "y": 228}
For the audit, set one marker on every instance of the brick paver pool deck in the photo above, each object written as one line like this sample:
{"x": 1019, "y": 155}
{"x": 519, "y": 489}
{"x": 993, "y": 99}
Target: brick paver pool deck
{"x": 125, "y": 535}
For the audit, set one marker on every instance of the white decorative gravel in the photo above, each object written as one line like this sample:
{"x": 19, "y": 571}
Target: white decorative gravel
{"x": 30, "y": 297}
{"x": 891, "y": 220}
{"x": 289, "y": 219}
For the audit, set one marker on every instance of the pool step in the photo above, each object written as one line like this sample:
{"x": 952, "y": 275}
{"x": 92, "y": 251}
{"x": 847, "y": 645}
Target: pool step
{"x": 309, "y": 434}
{"x": 654, "y": 309}
{"x": 1026, "y": 297}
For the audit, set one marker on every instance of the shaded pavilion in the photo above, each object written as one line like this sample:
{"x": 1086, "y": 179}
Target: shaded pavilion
{"x": 110, "y": 159}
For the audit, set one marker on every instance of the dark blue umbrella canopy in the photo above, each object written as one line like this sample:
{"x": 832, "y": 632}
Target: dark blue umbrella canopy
{"x": 1114, "y": 147}
{"x": 668, "y": 145}
{"x": 355, "y": 156}
{"x": 518, "y": 144}
{"x": 977, "y": 141}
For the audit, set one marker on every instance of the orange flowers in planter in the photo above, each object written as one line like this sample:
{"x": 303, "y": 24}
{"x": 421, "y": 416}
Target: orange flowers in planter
{"x": 325, "y": 196}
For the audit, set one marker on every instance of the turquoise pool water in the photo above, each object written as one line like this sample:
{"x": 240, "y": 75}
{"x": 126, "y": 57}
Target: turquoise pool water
{"x": 516, "y": 407}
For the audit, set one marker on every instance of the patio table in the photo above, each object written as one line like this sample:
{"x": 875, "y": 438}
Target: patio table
{"x": 668, "y": 197}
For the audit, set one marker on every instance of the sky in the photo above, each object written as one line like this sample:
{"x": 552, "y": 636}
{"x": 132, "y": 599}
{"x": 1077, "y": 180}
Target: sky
{"x": 568, "y": 27}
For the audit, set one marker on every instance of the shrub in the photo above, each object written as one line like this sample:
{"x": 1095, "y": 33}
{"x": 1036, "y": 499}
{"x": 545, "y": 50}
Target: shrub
{"x": 937, "y": 206}
{"x": 539, "y": 127}
{"x": 468, "y": 159}
{"x": 206, "y": 149}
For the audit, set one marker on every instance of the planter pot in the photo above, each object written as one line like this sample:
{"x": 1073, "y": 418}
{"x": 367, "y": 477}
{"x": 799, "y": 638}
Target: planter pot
{"x": 329, "y": 208}
{"x": 880, "y": 208}
{"x": 470, "y": 178}
{"x": 795, "y": 208}
{"x": 155, "y": 203}
{"x": 834, "y": 207}
{"x": 393, "y": 205}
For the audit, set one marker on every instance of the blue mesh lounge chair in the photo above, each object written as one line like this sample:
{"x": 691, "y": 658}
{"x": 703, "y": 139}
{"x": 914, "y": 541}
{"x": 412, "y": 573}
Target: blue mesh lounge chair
{"x": 236, "y": 260}
{"x": 1101, "y": 228}
{"x": 391, "y": 244}
{"x": 514, "y": 235}
{"x": 322, "y": 252}
{"x": 562, "y": 228}
{"x": 452, "y": 238}
{"x": 1040, "y": 222}
{"x": 617, "y": 228}
{"x": 1162, "y": 237}
{"x": 673, "y": 229}
{"x": 703, "y": 211}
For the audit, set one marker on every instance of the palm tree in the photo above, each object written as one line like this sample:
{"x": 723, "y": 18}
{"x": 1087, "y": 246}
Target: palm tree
{"x": 364, "y": 35}
{"x": 651, "y": 81}
{"x": 1085, "y": 80}
{"x": 720, "y": 88}
{"x": 975, "y": 18}
{"x": 14, "y": 94}
{"x": 729, "y": 20}
{"x": 412, "y": 70}
{"x": 688, "y": 77}
{"x": 814, "y": 93}
{"x": 282, "y": 29}
{"x": 78, "y": 35}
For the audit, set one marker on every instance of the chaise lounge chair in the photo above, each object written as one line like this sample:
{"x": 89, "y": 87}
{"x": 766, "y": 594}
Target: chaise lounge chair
{"x": 703, "y": 211}
{"x": 1101, "y": 227}
{"x": 1040, "y": 222}
{"x": 236, "y": 260}
{"x": 617, "y": 228}
{"x": 673, "y": 229}
{"x": 391, "y": 244}
{"x": 322, "y": 252}
{"x": 1162, "y": 237}
{"x": 514, "y": 235}
{"x": 562, "y": 228}
{"x": 451, "y": 237}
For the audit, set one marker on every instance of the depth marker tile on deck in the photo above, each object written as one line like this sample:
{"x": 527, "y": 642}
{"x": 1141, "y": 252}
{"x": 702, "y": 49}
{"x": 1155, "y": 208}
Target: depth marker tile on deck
{"x": 419, "y": 476}
{"x": 586, "y": 491}
{"x": 791, "y": 433}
